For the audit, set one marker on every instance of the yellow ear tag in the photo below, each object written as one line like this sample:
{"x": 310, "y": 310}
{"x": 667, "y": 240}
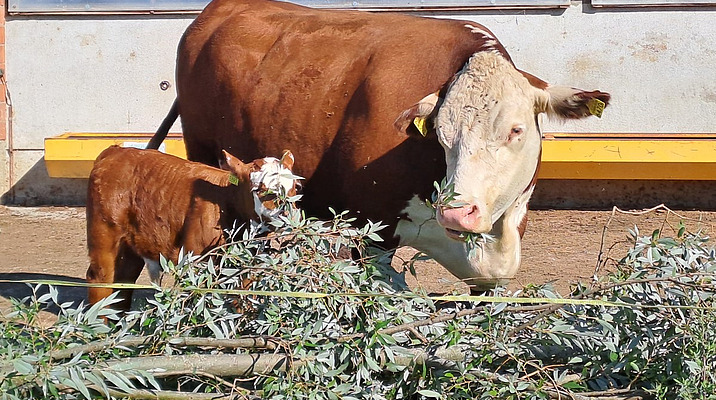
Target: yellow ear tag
{"x": 234, "y": 180}
{"x": 596, "y": 107}
{"x": 419, "y": 123}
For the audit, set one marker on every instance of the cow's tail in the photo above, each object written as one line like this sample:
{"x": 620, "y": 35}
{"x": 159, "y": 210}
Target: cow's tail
{"x": 163, "y": 129}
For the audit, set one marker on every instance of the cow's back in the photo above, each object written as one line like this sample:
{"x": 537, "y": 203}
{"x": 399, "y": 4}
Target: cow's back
{"x": 258, "y": 76}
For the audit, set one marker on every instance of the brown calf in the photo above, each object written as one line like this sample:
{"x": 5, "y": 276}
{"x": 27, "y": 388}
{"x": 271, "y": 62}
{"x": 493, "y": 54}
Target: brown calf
{"x": 143, "y": 203}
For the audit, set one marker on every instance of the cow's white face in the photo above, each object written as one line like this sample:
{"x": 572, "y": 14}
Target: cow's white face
{"x": 487, "y": 125}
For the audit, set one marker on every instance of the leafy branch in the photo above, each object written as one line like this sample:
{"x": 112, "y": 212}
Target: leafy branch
{"x": 197, "y": 339}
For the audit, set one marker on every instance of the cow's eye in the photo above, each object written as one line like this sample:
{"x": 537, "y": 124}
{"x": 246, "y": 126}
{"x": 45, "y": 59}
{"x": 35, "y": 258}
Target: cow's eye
{"x": 515, "y": 133}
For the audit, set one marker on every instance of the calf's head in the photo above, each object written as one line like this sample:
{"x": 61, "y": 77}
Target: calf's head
{"x": 267, "y": 180}
{"x": 487, "y": 123}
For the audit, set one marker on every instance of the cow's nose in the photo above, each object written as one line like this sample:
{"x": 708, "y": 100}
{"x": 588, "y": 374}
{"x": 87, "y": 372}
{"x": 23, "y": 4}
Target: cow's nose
{"x": 462, "y": 219}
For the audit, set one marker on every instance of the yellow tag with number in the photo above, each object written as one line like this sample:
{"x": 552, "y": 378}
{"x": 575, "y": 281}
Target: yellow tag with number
{"x": 596, "y": 107}
{"x": 420, "y": 123}
{"x": 234, "y": 180}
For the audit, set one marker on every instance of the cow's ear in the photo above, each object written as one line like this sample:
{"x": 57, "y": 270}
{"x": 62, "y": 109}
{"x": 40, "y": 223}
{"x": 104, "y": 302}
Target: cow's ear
{"x": 233, "y": 164}
{"x": 417, "y": 120}
{"x": 570, "y": 103}
{"x": 287, "y": 159}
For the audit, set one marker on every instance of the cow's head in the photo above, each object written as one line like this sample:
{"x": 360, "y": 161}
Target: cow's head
{"x": 487, "y": 123}
{"x": 267, "y": 180}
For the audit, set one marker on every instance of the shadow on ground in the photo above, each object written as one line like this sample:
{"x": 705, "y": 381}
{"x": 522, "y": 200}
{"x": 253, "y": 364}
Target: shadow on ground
{"x": 20, "y": 286}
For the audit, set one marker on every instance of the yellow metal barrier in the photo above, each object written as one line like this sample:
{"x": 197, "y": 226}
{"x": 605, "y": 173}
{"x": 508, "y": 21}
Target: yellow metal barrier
{"x": 629, "y": 156}
{"x": 564, "y": 156}
{"x": 72, "y": 155}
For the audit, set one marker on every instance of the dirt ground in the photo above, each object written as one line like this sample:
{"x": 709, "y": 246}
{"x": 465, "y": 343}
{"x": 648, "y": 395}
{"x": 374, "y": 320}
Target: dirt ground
{"x": 560, "y": 246}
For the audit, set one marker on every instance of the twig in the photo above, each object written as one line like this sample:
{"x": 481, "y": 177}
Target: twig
{"x": 214, "y": 364}
{"x": 145, "y": 394}
{"x": 615, "y": 210}
{"x": 418, "y": 335}
{"x": 439, "y": 319}
{"x": 550, "y": 309}
{"x": 616, "y": 393}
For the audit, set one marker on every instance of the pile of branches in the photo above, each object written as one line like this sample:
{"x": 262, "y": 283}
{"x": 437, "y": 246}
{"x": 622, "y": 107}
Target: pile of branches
{"x": 292, "y": 315}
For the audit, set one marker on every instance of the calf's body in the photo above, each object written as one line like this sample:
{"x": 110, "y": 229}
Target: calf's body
{"x": 143, "y": 203}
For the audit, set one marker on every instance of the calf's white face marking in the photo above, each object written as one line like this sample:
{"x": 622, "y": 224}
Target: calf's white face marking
{"x": 272, "y": 177}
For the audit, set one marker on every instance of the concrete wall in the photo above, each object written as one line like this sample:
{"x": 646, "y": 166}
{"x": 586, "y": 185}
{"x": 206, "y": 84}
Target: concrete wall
{"x": 103, "y": 73}
{"x": 83, "y": 74}
{"x": 4, "y": 162}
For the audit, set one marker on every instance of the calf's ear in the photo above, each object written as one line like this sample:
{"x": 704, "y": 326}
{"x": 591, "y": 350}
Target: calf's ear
{"x": 570, "y": 103}
{"x": 233, "y": 164}
{"x": 287, "y": 159}
{"x": 417, "y": 120}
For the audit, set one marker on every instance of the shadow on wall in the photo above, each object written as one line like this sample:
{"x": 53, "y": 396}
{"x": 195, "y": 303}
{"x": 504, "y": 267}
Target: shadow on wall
{"x": 37, "y": 188}
{"x": 625, "y": 194}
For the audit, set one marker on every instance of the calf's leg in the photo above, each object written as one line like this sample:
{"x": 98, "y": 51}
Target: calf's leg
{"x": 103, "y": 249}
{"x": 129, "y": 266}
{"x": 112, "y": 262}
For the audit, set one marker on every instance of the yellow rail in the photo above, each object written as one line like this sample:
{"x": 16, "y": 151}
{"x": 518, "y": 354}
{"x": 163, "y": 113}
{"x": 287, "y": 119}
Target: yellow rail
{"x": 72, "y": 155}
{"x": 564, "y": 156}
{"x": 659, "y": 157}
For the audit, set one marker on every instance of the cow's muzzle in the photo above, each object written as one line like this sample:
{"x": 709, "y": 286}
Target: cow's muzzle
{"x": 460, "y": 220}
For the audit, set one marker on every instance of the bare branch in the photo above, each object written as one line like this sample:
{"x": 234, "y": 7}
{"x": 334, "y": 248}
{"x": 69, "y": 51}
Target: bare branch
{"x": 256, "y": 342}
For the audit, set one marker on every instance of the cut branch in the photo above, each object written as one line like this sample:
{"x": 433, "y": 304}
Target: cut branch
{"x": 214, "y": 364}
{"x": 249, "y": 342}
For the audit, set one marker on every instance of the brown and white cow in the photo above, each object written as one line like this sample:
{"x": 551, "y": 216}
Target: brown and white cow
{"x": 143, "y": 203}
{"x": 334, "y": 85}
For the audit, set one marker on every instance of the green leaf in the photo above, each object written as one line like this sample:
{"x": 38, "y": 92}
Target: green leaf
{"x": 682, "y": 229}
{"x": 372, "y": 364}
{"x": 23, "y": 367}
{"x": 101, "y": 386}
{"x": 79, "y": 383}
{"x": 655, "y": 235}
{"x": 429, "y": 393}
{"x": 119, "y": 380}
{"x": 573, "y": 385}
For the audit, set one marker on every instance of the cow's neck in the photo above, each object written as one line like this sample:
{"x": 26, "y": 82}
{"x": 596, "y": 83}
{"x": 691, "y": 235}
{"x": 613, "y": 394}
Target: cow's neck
{"x": 496, "y": 261}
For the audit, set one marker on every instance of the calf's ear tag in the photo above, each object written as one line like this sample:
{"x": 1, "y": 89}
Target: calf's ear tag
{"x": 234, "y": 180}
{"x": 596, "y": 107}
{"x": 419, "y": 123}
